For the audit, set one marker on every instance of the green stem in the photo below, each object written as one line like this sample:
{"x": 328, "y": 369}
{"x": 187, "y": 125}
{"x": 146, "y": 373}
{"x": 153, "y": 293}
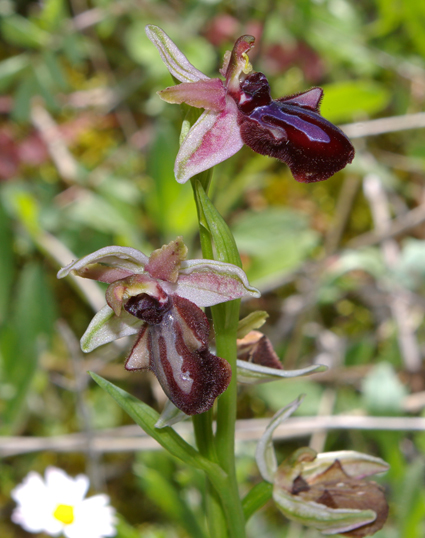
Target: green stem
{"x": 215, "y": 515}
{"x": 225, "y": 318}
{"x": 202, "y": 425}
{"x": 204, "y": 436}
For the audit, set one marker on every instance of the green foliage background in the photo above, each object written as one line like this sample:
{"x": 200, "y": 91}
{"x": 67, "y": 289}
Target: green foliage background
{"x": 86, "y": 159}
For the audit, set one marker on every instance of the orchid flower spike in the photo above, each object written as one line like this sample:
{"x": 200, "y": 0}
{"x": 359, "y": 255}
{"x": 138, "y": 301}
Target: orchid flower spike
{"x": 239, "y": 110}
{"x": 159, "y": 299}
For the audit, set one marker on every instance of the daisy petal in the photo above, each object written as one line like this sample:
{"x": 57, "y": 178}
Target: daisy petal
{"x": 106, "y": 327}
{"x": 117, "y": 263}
{"x": 94, "y": 518}
{"x": 34, "y": 511}
{"x": 64, "y": 489}
{"x": 214, "y": 138}
{"x": 176, "y": 62}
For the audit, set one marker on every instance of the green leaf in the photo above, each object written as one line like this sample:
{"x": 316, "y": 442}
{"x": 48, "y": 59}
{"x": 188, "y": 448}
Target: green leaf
{"x": 276, "y": 393}
{"x": 11, "y": 68}
{"x": 53, "y": 14}
{"x": 146, "y": 418}
{"x": 7, "y": 263}
{"x": 210, "y": 218}
{"x": 277, "y": 241}
{"x": 169, "y": 203}
{"x": 410, "y": 267}
{"x": 167, "y": 496}
{"x": 344, "y": 101}
{"x": 27, "y": 89}
{"x": 18, "y": 30}
{"x": 31, "y": 322}
{"x": 383, "y": 392}
{"x": 256, "y": 498}
{"x": 56, "y": 72}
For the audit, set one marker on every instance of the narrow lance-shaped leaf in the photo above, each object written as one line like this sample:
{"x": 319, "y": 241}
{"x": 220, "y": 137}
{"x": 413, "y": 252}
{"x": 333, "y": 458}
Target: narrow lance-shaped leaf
{"x": 146, "y": 418}
{"x": 224, "y": 242}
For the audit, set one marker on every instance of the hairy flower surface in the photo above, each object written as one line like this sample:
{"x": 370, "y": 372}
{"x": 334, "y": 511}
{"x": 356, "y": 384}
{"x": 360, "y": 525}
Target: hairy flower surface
{"x": 240, "y": 110}
{"x": 56, "y": 505}
{"x": 159, "y": 298}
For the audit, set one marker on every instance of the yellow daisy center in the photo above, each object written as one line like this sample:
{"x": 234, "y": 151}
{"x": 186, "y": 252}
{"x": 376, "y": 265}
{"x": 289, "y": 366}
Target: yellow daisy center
{"x": 64, "y": 513}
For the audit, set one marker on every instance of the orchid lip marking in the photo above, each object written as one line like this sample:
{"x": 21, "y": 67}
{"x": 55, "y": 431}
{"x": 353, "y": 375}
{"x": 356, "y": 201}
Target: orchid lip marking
{"x": 291, "y": 117}
{"x": 183, "y": 379}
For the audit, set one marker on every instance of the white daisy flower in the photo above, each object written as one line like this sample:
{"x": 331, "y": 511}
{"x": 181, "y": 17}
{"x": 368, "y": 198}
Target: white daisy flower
{"x": 57, "y": 505}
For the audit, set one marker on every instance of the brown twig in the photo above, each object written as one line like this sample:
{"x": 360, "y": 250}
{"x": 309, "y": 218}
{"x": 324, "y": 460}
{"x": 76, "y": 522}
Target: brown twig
{"x": 395, "y": 227}
{"x": 132, "y": 438}
{"x": 64, "y": 161}
{"x": 384, "y": 125}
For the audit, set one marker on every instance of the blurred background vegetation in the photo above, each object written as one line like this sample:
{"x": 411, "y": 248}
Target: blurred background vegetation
{"x": 86, "y": 159}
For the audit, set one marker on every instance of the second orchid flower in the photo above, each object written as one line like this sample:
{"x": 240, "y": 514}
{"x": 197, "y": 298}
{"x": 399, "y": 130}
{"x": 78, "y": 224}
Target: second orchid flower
{"x": 159, "y": 298}
{"x": 240, "y": 110}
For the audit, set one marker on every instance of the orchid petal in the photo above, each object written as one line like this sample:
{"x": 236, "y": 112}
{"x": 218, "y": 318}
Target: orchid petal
{"x": 176, "y": 62}
{"x": 265, "y": 455}
{"x": 138, "y": 358}
{"x": 209, "y": 282}
{"x": 254, "y": 374}
{"x": 106, "y": 327}
{"x": 214, "y": 138}
{"x": 256, "y": 348}
{"x": 208, "y": 94}
{"x": 134, "y": 285}
{"x": 117, "y": 263}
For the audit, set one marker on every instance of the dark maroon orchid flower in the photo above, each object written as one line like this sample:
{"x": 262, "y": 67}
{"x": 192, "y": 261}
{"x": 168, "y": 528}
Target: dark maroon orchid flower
{"x": 240, "y": 110}
{"x": 158, "y": 298}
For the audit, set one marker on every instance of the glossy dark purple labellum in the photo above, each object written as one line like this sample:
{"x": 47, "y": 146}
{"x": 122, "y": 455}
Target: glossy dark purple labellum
{"x": 292, "y": 130}
{"x": 173, "y": 344}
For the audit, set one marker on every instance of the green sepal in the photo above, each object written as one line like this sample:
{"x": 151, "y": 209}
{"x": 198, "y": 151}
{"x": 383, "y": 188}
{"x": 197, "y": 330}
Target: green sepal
{"x": 319, "y": 516}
